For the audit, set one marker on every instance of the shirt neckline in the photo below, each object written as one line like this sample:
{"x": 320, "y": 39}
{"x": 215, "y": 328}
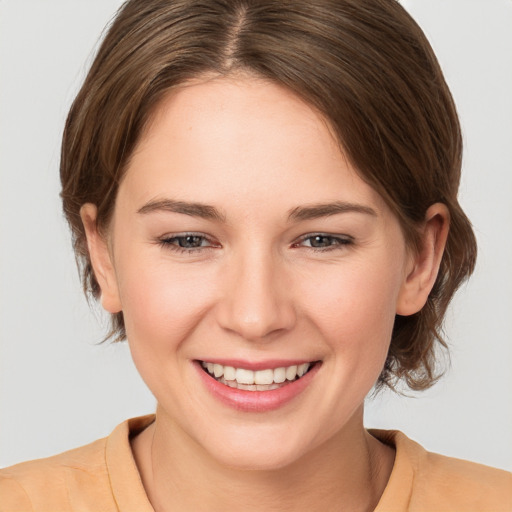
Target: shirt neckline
{"x": 129, "y": 493}
{"x": 125, "y": 480}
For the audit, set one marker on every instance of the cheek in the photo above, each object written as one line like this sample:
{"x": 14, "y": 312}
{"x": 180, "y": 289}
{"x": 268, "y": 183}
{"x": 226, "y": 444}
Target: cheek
{"x": 355, "y": 309}
{"x": 162, "y": 304}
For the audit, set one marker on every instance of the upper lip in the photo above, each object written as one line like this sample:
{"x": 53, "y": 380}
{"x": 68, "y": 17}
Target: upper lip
{"x": 257, "y": 365}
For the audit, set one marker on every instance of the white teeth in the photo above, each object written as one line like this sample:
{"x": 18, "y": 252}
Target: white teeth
{"x": 229, "y": 373}
{"x": 261, "y": 380}
{"x": 244, "y": 376}
{"x": 264, "y": 376}
{"x": 279, "y": 375}
{"x": 302, "y": 369}
{"x": 266, "y": 387}
{"x": 247, "y": 387}
{"x": 291, "y": 372}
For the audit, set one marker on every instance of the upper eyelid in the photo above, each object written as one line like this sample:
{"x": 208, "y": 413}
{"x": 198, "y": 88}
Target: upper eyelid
{"x": 327, "y": 235}
{"x": 183, "y": 234}
{"x": 214, "y": 242}
{"x": 211, "y": 238}
{"x": 172, "y": 236}
{"x": 339, "y": 242}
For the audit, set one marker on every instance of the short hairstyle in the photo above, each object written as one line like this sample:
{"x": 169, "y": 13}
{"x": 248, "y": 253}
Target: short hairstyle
{"x": 363, "y": 64}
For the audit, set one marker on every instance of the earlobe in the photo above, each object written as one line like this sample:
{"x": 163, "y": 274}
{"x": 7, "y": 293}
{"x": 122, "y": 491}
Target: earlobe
{"x": 425, "y": 263}
{"x": 101, "y": 259}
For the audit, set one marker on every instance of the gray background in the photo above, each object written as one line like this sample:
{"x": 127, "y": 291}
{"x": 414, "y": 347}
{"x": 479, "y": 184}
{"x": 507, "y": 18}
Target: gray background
{"x": 60, "y": 389}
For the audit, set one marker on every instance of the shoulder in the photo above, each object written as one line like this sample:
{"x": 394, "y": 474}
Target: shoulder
{"x": 48, "y": 483}
{"x": 99, "y": 476}
{"x": 445, "y": 480}
{"x": 429, "y": 481}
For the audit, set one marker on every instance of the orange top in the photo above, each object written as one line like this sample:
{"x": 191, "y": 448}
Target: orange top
{"x": 102, "y": 476}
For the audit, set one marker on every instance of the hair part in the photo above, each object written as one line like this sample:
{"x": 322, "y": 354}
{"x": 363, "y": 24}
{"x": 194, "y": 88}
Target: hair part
{"x": 365, "y": 65}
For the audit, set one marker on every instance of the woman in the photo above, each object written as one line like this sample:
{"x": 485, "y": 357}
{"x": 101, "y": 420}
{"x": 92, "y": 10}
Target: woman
{"x": 263, "y": 196}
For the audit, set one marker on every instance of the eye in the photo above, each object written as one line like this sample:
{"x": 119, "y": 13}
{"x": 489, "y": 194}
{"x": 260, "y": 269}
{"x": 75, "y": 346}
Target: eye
{"x": 323, "y": 241}
{"x": 187, "y": 242}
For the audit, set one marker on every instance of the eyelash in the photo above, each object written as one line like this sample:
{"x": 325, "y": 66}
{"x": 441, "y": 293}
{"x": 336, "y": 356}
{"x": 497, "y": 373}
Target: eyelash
{"x": 336, "y": 241}
{"x": 172, "y": 242}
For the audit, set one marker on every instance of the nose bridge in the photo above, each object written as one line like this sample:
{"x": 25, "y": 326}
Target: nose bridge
{"x": 256, "y": 302}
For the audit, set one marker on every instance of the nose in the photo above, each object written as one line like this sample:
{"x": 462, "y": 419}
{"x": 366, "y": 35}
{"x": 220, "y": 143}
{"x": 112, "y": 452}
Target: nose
{"x": 257, "y": 302}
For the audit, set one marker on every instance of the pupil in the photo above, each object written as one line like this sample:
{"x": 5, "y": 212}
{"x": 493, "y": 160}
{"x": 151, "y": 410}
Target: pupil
{"x": 320, "y": 241}
{"x": 190, "y": 241}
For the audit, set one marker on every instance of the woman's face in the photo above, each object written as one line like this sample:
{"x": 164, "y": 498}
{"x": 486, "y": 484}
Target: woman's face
{"x": 243, "y": 238}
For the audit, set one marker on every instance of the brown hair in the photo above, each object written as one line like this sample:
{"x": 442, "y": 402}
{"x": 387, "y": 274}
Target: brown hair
{"x": 364, "y": 64}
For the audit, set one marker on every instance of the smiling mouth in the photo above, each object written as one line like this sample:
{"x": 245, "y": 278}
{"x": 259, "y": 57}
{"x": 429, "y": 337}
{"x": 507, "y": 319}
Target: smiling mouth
{"x": 256, "y": 380}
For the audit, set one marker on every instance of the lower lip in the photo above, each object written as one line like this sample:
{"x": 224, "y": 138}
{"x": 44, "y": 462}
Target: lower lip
{"x": 256, "y": 401}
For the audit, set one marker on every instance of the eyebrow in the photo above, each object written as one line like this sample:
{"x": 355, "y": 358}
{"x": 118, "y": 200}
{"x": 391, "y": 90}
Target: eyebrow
{"x": 193, "y": 209}
{"x": 316, "y": 211}
{"x": 298, "y": 213}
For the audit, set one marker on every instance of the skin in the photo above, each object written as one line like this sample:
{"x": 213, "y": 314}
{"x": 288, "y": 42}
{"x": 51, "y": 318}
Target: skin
{"x": 257, "y": 290}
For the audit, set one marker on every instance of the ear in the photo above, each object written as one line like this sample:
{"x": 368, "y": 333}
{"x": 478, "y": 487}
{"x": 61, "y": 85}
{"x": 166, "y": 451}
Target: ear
{"x": 101, "y": 259}
{"x": 424, "y": 266}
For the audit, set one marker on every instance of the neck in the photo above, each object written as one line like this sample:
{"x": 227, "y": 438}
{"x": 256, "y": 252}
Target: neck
{"x": 348, "y": 472}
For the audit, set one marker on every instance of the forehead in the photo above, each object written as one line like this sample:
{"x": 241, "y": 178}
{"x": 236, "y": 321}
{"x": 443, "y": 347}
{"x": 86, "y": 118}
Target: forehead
{"x": 242, "y": 140}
